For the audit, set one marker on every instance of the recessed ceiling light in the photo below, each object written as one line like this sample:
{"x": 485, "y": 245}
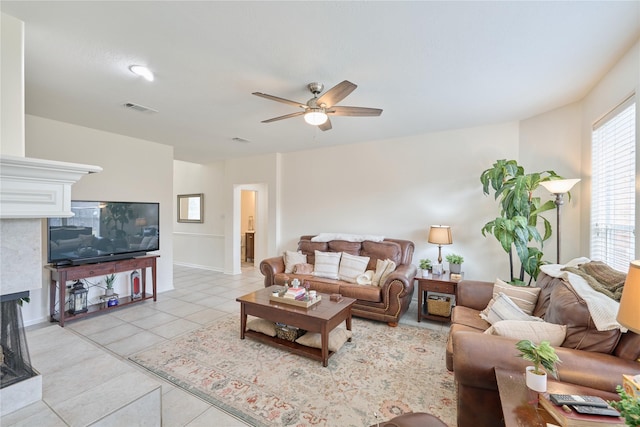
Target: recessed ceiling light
{"x": 142, "y": 71}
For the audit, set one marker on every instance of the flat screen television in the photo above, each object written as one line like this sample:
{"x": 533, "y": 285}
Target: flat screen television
{"x": 103, "y": 231}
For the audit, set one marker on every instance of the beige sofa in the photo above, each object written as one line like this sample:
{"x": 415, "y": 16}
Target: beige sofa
{"x": 385, "y": 303}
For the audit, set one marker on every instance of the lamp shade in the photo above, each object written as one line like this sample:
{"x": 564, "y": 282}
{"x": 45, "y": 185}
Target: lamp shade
{"x": 440, "y": 235}
{"x": 629, "y": 313}
{"x": 559, "y": 186}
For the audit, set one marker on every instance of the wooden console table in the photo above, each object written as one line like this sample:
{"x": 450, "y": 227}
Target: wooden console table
{"x": 60, "y": 276}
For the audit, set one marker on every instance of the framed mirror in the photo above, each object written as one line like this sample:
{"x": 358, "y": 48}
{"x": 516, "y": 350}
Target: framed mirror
{"x": 191, "y": 207}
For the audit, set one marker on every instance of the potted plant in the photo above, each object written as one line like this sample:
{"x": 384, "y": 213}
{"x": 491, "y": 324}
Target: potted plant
{"x": 108, "y": 280}
{"x": 516, "y": 227}
{"x": 541, "y": 354}
{"x": 425, "y": 266}
{"x": 628, "y": 406}
{"x": 455, "y": 263}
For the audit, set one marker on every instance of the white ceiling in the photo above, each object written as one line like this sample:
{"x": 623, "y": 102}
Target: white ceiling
{"x": 429, "y": 65}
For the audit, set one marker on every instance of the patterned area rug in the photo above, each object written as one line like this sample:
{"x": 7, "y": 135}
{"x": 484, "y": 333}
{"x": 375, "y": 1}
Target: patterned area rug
{"x": 384, "y": 370}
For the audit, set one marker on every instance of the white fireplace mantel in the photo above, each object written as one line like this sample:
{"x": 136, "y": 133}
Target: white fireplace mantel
{"x": 37, "y": 188}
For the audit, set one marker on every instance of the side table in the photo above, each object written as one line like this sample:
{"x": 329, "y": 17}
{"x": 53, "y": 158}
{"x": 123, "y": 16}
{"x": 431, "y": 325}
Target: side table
{"x": 442, "y": 283}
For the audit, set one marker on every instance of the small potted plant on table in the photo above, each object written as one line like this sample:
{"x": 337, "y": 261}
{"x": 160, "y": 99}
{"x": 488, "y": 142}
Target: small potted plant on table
{"x": 541, "y": 354}
{"x": 455, "y": 263}
{"x": 108, "y": 280}
{"x": 425, "y": 266}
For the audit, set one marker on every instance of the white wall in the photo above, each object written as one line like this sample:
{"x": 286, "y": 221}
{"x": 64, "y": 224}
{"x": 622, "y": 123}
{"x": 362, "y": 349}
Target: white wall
{"x": 615, "y": 87}
{"x": 133, "y": 170}
{"x": 12, "y": 84}
{"x": 200, "y": 245}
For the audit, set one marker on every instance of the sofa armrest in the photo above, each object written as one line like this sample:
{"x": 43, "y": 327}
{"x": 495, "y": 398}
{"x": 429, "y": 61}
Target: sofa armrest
{"x": 475, "y": 355}
{"x": 404, "y": 273}
{"x": 269, "y": 267}
{"x": 474, "y": 294}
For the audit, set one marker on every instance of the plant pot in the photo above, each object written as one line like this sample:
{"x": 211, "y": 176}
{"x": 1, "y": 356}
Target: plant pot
{"x": 536, "y": 382}
{"x": 455, "y": 268}
{"x": 108, "y": 292}
{"x": 425, "y": 273}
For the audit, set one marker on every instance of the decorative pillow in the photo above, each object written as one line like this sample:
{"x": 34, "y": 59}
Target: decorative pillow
{"x": 503, "y": 308}
{"x": 263, "y": 326}
{"x": 303, "y": 268}
{"x": 365, "y": 278}
{"x": 327, "y": 264}
{"x": 381, "y": 266}
{"x": 525, "y": 297}
{"x": 351, "y": 266}
{"x": 529, "y": 330}
{"x": 292, "y": 258}
{"x": 391, "y": 267}
{"x": 337, "y": 338}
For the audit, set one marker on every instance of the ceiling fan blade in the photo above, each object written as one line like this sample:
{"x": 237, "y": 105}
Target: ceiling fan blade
{"x": 287, "y": 116}
{"x": 326, "y": 125}
{"x": 336, "y": 93}
{"x": 278, "y": 99}
{"x": 354, "y": 111}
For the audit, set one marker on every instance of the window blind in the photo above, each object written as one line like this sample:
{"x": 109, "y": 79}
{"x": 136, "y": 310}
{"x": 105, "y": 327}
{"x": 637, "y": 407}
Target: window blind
{"x": 613, "y": 161}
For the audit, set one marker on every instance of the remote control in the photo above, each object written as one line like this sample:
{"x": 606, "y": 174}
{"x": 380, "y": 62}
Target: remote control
{"x": 577, "y": 400}
{"x": 592, "y": 410}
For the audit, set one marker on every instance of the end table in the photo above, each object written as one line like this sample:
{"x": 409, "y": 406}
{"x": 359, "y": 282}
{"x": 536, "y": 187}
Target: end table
{"x": 442, "y": 283}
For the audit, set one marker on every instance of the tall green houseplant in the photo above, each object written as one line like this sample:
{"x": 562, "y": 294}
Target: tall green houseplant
{"x": 517, "y": 226}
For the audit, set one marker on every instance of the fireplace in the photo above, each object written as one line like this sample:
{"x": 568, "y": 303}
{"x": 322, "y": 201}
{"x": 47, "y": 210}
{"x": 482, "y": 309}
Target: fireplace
{"x": 15, "y": 363}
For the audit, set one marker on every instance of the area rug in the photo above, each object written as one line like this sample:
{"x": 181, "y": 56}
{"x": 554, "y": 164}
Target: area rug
{"x": 382, "y": 372}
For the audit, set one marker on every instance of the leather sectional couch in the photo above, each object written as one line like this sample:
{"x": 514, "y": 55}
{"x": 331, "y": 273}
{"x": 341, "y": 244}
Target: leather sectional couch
{"x": 385, "y": 303}
{"x": 591, "y": 358}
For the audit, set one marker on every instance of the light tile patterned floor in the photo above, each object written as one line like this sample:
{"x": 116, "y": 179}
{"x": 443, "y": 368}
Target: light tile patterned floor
{"x": 200, "y": 297}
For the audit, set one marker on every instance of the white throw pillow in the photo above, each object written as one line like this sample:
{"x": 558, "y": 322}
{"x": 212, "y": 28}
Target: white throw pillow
{"x": 337, "y": 338}
{"x": 263, "y": 326}
{"x": 351, "y": 266}
{"x": 529, "y": 330}
{"x": 503, "y": 308}
{"x": 292, "y": 258}
{"x": 327, "y": 264}
{"x": 525, "y": 297}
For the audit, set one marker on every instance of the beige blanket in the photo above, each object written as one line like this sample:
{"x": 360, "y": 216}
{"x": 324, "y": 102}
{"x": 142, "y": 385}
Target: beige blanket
{"x": 603, "y": 309}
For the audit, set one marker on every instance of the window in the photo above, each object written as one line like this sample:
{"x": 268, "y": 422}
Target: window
{"x": 613, "y": 161}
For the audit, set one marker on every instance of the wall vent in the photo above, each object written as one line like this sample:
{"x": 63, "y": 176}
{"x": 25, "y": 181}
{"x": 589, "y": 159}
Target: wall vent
{"x": 140, "y": 108}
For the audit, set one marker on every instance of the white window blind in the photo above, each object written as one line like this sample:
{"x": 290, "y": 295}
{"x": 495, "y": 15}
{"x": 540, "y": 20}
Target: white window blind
{"x": 613, "y": 187}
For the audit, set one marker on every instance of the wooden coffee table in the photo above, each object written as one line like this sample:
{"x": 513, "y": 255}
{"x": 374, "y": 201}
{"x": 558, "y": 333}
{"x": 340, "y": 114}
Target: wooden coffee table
{"x": 322, "y": 318}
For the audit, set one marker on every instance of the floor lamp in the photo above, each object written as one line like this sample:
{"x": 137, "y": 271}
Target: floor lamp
{"x": 440, "y": 235}
{"x": 559, "y": 187}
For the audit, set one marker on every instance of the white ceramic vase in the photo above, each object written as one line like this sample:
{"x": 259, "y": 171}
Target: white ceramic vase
{"x": 536, "y": 382}
{"x": 425, "y": 273}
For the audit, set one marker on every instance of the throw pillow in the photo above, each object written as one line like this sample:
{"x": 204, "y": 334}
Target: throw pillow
{"x": 503, "y": 308}
{"x": 525, "y": 297}
{"x": 303, "y": 268}
{"x": 337, "y": 338}
{"x": 529, "y": 330}
{"x": 263, "y": 326}
{"x": 292, "y": 258}
{"x": 351, "y": 266}
{"x": 381, "y": 266}
{"x": 327, "y": 264}
{"x": 391, "y": 267}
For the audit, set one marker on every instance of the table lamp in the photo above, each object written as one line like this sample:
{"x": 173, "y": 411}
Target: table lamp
{"x": 629, "y": 312}
{"x": 559, "y": 187}
{"x": 440, "y": 235}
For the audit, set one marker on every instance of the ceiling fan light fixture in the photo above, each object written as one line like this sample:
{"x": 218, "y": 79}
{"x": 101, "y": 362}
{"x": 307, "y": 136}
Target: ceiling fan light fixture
{"x": 315, "y": 116}
{"x": 142, "y": 71}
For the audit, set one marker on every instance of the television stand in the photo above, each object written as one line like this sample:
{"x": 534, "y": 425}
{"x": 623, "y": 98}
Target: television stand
{"x": 61, "y": 275}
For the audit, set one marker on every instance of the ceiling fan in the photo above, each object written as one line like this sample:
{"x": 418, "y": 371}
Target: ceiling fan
{"x": 317, "y": 110}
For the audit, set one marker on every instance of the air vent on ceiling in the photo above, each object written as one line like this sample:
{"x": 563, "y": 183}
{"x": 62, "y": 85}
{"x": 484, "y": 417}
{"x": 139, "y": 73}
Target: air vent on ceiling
{"x": 140, "y": 108}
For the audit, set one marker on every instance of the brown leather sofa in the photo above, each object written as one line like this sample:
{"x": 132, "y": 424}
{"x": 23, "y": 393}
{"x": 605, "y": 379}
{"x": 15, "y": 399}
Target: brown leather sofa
{"x": 591, "y": 358}
{"x": 386, "y": 303}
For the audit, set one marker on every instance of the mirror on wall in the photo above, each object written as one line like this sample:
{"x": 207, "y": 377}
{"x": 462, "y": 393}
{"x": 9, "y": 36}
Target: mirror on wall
{"x": 191, "y": 207}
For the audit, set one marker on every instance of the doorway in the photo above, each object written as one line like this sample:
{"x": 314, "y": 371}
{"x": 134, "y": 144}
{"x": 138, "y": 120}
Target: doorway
{"x": 247, "y": 227}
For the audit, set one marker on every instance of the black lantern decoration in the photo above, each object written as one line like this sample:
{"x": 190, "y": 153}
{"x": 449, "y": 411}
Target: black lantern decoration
{"x": 78, "y": 298}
